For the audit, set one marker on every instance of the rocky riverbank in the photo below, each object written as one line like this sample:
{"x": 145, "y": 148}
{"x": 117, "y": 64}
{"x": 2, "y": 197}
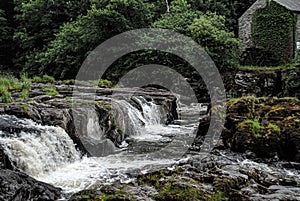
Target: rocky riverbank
{"x": 220, "y": 176}
{"x": 264, "y": 81}
{"x": 265, "y": 132}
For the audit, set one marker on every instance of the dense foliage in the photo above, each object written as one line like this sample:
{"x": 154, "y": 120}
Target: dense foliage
{"x": 38, "y": 21}
{"x": 53, "y": 37}
{"x": 230, "y": 9}
{"x": 5, "y": 39}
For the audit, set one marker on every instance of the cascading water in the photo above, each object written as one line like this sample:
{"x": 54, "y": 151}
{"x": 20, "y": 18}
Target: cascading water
{"x": 36, "y": 149}
{"x": 151, "y": 112}
{"x": 136, "y": 120}
{"x": 48, "y": 154}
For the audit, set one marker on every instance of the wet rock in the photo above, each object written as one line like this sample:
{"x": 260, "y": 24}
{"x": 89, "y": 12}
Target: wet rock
{"x": 19, "y": 186}
{"x": 222, "y": 175}
{"x": 5, "y": 162}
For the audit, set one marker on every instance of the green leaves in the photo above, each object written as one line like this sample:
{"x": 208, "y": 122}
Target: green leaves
{"x": 38, "y": 21}
{"x": 208, "y": 30}
{"x": 54, "y": 36}
{"x": 75, "y": 39}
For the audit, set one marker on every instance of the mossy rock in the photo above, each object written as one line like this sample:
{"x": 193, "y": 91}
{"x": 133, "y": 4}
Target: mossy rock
{"x": 267, "y": 126}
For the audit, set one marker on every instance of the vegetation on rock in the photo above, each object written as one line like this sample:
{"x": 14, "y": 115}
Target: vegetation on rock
{"x": 266, "y": 126}
{"x": 273, "y": 30}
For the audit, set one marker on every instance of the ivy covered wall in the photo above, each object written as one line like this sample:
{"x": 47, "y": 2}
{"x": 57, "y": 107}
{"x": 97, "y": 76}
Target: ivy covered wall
{"x": 273, "y": 30}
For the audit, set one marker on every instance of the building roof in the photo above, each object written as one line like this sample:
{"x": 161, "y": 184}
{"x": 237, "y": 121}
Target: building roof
{"x": 293, "y": 5}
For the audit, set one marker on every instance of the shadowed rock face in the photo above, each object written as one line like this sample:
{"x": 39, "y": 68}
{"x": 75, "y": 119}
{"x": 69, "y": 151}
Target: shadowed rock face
{"x": 19, "y": 186}
{"x": 262, "y": 82}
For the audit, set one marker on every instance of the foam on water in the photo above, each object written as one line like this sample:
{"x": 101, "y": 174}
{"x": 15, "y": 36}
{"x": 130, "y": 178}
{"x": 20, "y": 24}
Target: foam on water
{"x": 88, "y": 172}
{"x": 48, "y": 154}
{"x": 37, "y": 149}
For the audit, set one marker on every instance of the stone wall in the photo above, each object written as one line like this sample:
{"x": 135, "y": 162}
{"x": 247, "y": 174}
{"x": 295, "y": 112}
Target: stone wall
{"x": 266, "y": 82}
{"x": 245, "y": 22}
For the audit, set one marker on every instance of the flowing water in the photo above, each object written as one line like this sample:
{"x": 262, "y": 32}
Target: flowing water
{"x": 48, "y": 154}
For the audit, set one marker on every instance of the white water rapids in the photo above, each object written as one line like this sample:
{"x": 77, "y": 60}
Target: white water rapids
{"x": 48, "y": 154}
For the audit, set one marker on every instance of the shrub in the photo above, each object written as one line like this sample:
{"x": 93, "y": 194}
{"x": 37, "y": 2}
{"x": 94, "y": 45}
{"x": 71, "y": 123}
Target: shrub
{"x": 9, "y": 83}
{"x": 37, "y": 79}
{"x": 105, "y": 84}
{"x": 47, "y": 78}
{"x": 51, "y": 91}
{"x": 6, "y": 97}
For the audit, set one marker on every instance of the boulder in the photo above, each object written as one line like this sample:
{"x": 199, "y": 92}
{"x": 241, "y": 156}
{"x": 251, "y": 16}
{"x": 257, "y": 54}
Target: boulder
{"x": 19, "y": 186}
{"x": 267, "y": 127}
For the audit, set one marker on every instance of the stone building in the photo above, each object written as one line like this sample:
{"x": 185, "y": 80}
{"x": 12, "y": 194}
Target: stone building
{"x": 245, "y": 21}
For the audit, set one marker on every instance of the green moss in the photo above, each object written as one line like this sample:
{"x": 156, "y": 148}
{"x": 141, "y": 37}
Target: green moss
{"x": 102, "y": 83}
{"x": 120, "y": 131}
{"x": 152, "y": 178}
{"x": 105, "y": 83}
{"x": 69, "y": 100}
{"x": 114, "y": 126}
{"x": 274, "y": 128}
{"x": 70, "y": 82}
{"x": 103, "y": 104}
{"x": 112, "y": 196}
{"x": 255, "y": 126}
{"x": 231, "y": 101}
{"x": 219, "y": 196}
{"x": 259, "y": 130}
{"x": 173, "y": 192}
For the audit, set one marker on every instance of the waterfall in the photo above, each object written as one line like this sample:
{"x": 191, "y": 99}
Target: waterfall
{"x": 94, "y": 131}
{"x": 48, "y": 154}
{"x": 36, "y": 149}
{"x": 151, "y": 112}
{"x": 137, "y": 114}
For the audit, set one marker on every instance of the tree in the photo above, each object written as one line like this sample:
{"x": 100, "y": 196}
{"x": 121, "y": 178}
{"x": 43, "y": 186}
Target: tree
{"x": 209, "y": 30}
{"x": 75, "y": 39}
{"x": 231, "y": 9}
{"x": 5, "y": 41}
{"x": 37, "y": 23}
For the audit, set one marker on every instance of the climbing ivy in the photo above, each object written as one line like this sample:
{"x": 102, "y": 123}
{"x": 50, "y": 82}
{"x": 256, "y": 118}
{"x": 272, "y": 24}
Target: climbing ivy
{"x": 273, "y": 29}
